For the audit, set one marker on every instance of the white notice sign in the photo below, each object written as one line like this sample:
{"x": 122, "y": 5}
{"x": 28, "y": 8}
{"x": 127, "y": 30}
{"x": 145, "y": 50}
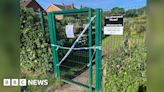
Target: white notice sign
{"x": 113, "y": 30}
{"x": 69, "y": 31}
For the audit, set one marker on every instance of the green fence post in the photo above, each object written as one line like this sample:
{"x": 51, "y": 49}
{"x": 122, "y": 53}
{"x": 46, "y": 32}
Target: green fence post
{"x": 42, "y": 22}
{"x": 98, "y": 51}
{"x": 90, "y": 50}
{"x": 56, "y": 49}
{"x": 100, "y": 44}
{"x": 52, "y": 30}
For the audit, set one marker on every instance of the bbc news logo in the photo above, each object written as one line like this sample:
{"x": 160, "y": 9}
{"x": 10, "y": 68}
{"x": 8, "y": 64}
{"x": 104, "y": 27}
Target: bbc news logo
{"x": 24, "y": 82}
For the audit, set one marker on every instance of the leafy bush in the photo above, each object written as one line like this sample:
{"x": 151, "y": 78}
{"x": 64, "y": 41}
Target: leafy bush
{"x": 126, "y": 69}
{"x": 35, "y": 52}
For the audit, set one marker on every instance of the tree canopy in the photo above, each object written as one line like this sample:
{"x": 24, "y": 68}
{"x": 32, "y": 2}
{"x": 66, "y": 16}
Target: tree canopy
{"x": 117, "y": 11}
{"x": 126, "y": 13}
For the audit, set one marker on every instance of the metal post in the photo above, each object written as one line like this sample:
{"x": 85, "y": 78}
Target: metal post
{"x": 98, "y": 51}
{"x": 100, "y": 44}
{"x": 42, "y": 21}
{"x": 90, "y": 50}
{"x": 52, "y": 30}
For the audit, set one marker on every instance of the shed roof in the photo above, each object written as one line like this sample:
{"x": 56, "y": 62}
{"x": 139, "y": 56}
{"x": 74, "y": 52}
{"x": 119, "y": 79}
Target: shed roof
{"x": 25, "y": 2}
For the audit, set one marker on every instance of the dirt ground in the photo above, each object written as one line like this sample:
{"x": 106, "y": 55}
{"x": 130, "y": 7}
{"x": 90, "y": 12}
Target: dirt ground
{"x": 83, "y": 78}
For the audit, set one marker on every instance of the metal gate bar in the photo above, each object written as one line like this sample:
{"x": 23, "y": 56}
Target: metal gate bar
{"x": 98, "y": 51}
{"x": 77, "y": 83}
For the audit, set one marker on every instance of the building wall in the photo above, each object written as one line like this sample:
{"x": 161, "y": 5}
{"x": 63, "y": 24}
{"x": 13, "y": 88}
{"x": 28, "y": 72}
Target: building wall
{"x": 54, "y": 8}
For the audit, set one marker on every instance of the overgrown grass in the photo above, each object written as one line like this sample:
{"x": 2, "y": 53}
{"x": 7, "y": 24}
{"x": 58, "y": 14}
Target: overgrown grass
{"x": 124, "y": 61}
{"x": 126, "y": 70}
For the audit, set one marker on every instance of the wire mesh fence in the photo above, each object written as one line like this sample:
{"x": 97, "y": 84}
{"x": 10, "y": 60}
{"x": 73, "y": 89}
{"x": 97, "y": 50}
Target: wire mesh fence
{"x": 124, "y": 56}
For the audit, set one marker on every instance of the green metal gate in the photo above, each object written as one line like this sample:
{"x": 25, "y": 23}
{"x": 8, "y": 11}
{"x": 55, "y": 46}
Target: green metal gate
{"x": 62, "y": 51}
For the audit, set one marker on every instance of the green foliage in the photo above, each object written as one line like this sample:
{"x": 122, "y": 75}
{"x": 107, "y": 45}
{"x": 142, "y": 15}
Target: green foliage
{"x": 126, "y": 69}
{"x": 35, "y": 52}
{"x": 135, "y": 25}
{"x": 142, "y": 10}
{"x": 117, "y": 11}
{"x": 131, "y": 13}
{"x": 128, "y": 13}
{"x": 135, "y": 12}
{"x": 126, "y": 65}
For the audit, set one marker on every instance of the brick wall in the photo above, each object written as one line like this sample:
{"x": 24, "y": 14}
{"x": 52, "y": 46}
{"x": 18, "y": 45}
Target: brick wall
{"x": 54, "y": 8}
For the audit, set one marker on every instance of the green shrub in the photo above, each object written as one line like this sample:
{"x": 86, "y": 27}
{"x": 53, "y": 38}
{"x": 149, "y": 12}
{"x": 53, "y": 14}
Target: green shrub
{"x": 35, "y": 52}
{"x": 126, "y": 68}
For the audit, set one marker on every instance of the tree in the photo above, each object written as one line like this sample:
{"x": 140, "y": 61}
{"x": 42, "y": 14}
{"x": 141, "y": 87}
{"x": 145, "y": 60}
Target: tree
{"x": 135, "y": 12}
{"x": 106, "y": 13}
{"x": 117, "y": 11}
{"x": 131, "y": 13}
{"x": 142, "y": 11}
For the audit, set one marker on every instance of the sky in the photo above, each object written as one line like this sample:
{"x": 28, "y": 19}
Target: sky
{"x": 104, "y": 4}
